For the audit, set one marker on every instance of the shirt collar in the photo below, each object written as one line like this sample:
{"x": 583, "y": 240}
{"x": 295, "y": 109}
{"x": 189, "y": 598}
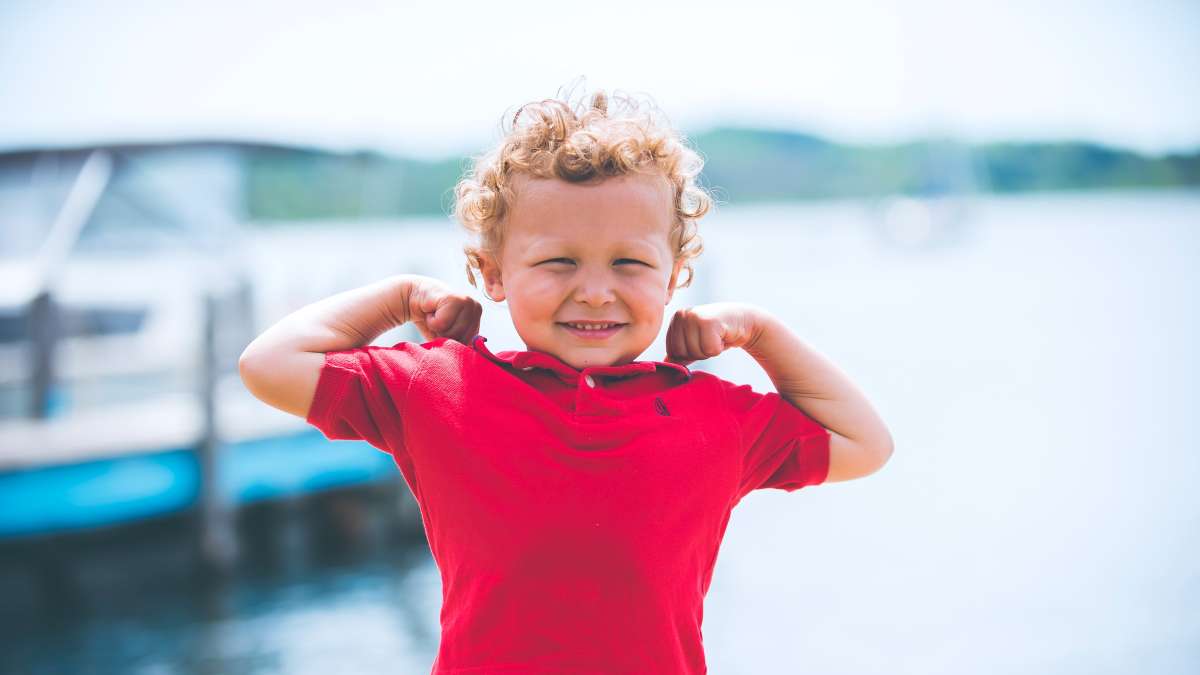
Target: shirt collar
{"x": 531, "y": 360}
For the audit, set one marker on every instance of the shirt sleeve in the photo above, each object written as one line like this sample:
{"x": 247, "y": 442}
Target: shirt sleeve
{"x": 782, "y": 447}
{"x": 361, "y": 394}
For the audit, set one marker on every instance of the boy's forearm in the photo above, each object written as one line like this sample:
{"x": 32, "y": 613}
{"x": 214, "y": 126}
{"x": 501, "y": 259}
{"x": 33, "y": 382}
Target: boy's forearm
{"x": 814, "y": 384}
{"x": 346, "y": 320}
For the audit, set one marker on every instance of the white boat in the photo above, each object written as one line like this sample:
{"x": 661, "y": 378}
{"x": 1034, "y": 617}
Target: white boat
{"x": 125, "y": 298}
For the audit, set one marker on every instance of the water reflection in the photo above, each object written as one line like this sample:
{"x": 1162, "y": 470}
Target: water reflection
{"x": 324, "y": 585}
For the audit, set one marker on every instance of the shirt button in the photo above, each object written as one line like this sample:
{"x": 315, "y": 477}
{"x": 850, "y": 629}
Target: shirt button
{"x": 527, "y": 368}
{"x": 589, "y": 380}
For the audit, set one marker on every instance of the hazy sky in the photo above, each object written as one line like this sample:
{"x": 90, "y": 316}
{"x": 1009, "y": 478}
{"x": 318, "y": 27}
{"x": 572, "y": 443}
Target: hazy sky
{"x": 435, "y": 78}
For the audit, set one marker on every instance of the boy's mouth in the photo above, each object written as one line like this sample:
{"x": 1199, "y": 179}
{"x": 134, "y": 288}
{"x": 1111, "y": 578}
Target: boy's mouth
{"x": 592, "y": 331}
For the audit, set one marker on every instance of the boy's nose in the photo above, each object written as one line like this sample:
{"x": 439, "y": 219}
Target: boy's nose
{"x": 594, "y": 289}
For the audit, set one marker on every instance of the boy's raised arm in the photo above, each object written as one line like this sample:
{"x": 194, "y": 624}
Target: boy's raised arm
{"x": 859, "y": 442}
{"x": 282, "y": 366}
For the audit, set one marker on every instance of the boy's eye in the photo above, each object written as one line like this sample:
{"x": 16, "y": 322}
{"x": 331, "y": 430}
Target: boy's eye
{"x": 569, "y": 261}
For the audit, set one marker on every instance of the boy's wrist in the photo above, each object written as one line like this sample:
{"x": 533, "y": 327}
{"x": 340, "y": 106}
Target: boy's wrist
{"x": 761, "y": 323}
{"x": 399, "y": 296}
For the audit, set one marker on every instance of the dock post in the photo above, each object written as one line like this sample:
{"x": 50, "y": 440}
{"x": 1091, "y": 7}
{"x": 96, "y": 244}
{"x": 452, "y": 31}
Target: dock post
{"x": 218, "y": 543}
{"x": 44, "y": 326}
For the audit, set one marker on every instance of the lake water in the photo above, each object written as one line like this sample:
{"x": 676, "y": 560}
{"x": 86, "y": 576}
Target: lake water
{"x": 1037, "y": 366}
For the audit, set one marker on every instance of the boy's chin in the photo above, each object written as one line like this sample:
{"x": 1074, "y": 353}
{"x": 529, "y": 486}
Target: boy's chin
{"x": 579, "y": 362}
{"x": 580, "y": 357}
{"x": 596, "y": 358}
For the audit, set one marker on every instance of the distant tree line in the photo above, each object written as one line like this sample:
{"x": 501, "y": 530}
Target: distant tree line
{"x": 741, "y": 166}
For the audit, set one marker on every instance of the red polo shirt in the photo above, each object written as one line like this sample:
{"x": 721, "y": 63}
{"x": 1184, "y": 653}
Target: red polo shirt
{"x": 574, "y": 515}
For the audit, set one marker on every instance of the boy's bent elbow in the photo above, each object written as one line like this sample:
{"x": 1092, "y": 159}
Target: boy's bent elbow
{"x": 250, "y": 367}
{"x": 881, "y": 452}
{"x": 850, "y": 459}
{"x": 253, "y": 371}
{"x": 284, "y": 381}
{"x": 885, "y": 448}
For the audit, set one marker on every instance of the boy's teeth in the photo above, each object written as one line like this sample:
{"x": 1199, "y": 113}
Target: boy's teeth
{"x": 581, "y": 327}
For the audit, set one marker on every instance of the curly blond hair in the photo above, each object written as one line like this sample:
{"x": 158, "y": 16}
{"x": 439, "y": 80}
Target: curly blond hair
{"x": 579, "y": 144}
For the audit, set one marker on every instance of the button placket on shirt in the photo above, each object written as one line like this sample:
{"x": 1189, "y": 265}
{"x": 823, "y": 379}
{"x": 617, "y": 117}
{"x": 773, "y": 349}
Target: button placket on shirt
{"x": 590, "y": 398}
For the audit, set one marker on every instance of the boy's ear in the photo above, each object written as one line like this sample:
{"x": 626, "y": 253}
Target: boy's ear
{"x": 674, "y": 279}
{"x": 493, "y": 281}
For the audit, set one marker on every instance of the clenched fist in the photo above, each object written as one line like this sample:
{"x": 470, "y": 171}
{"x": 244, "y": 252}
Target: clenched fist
{"x": 704, "y": 331}
{"x": 437, "y": 311}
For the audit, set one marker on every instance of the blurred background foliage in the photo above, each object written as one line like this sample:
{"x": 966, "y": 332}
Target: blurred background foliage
{"x": 742, "y": 165}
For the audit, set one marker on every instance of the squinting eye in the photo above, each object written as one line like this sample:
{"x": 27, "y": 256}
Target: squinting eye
{"x": 632, "y": 261}
{"x": 566, "y": 260}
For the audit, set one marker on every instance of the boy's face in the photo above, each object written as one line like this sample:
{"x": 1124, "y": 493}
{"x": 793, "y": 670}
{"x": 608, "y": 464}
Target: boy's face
{"x": 597, "y": 252}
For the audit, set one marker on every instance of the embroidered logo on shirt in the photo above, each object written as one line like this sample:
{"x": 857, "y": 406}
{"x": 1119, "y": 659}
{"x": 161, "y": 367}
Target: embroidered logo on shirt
{"x": 661, "y": 407}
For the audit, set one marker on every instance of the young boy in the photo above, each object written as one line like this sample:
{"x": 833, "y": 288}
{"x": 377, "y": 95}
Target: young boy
{"x": 574, "y": 498}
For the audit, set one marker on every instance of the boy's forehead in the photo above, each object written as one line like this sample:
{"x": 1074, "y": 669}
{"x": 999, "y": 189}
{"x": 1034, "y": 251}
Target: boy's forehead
{"x": 630, "y": 209}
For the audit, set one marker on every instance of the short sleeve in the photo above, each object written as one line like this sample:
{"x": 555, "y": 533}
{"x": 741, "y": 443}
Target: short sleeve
{"x": 361, "y": 394}
{"x": 782, "y": 447}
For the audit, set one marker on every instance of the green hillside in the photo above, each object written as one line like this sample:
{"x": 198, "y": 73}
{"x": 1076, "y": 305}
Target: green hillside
{"x": 741, "y": 166}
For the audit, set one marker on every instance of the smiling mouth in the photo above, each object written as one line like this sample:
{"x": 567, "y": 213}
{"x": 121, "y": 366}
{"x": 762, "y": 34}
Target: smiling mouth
{"x": 591, "y": 332}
